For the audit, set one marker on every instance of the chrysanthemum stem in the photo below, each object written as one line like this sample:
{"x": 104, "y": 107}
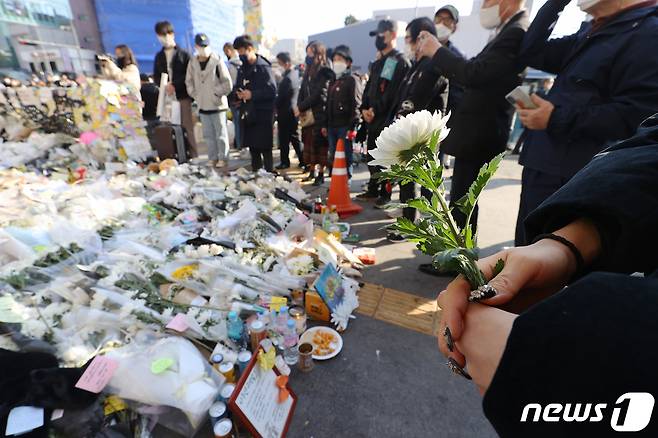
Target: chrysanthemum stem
{"x": 451, "y": 222}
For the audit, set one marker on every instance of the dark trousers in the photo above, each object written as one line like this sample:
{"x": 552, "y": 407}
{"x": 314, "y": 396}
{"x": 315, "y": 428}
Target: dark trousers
{"x": 464, "y": 174}
{"x": 261, "y": 158}
{"x": 288, "y": 133}
{"x": 382, "y": 189}
{"x": 536, "y": 187}
{"x": 407, "y": 193}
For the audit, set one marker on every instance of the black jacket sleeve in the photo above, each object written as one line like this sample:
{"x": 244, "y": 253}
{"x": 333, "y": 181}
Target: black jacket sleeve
{"x": 157, "y": 69}
{"x": 537, "y": 51}
{"x": 318, "y": 90}
{"x": 358, "y": 90}
{"x": 499, "y": 60}
{"x": 283, "y": 93}
{"x": 618, "y": 190}
{"x": 183, "y": 58}
{"x": 382, "y": 107}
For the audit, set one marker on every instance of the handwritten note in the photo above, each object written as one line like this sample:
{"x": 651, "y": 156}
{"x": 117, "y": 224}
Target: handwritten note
{"x": 258, "y": 400}
{"x": 179, "y": 323}
{"x": 24, "y": 419}
{"x": 98, "y": 374}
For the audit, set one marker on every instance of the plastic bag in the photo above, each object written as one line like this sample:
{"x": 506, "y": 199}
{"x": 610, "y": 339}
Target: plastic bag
{"x": 189, "y": 384}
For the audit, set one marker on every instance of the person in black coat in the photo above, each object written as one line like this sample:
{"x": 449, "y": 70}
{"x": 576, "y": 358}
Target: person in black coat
{"x": 313, "y": 100}
{"x": 173, "y": 60}
{"x": 343, "y": 103}
{"x": 591, "y": 342}
{"x": 286, "y": 100}
{"x": 422, "y": 89}
{"x": 386, "y": 76}
{"x": 605, "y": 86}
{"x": 254, "y": 92}
{"x": 481, "y": 124}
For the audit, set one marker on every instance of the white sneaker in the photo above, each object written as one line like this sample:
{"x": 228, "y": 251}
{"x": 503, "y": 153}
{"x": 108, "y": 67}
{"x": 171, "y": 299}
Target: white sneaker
{"x": 244, "y": 154}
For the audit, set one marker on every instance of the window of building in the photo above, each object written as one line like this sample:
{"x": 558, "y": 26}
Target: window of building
{"x": 53, "y": 66}
{"x": 33, "y": 67}
{"x": 43, "y": 66}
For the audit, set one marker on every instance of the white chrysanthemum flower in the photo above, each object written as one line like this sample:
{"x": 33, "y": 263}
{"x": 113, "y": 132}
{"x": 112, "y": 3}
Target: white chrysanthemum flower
{"x": 405, "y": 133}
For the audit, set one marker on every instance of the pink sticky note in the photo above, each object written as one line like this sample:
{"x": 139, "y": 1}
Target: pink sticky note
{"x": 179, "y": 323}
{"x": 88, "y": 137}
{"x": 98, "y": 374}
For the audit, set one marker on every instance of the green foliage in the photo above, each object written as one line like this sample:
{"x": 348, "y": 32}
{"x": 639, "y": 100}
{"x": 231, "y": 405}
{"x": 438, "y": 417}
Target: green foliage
{"x": 467, "y": 203}
{"x": 498, "y": 268}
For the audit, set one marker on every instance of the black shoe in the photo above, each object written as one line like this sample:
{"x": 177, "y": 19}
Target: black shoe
{"x": 310, "y": 177}
{"x": 382, "y": 203}
{"x": 429, "y": 268}
{"x": 302, "y": 165}
{"x": 367, "y": 195}
{"x": 319, "y": 180}
{"x": 396, "y": 238}
{"x": 283, "y": 166}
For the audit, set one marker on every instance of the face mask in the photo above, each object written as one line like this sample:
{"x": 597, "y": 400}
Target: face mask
{"x": 443, "y": 32}
{"x": 167, "y": 41}
{"x": 308, "y": 60}
{"x": 339, "y": 68}
{"x": 380, "y": 44}
{"x": 586, "y": 5}
{"x": 244, "y": 59}
{"x": 409, "y": 52}
{"x": 121, "y": 62}
{"x": 204, "y": 52}
{"x": 490, "y": 17}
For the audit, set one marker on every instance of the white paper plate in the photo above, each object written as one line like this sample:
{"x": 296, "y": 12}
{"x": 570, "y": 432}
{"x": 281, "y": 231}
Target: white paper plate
{"x": 308, "y": 337}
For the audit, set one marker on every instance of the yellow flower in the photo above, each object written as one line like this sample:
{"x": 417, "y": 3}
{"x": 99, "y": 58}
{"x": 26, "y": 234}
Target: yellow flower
{"x": 185, "y": 272}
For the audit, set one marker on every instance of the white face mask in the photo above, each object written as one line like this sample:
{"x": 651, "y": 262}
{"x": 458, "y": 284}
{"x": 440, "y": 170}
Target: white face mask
{"x": 409, "y": 52}
{"x": 443, "y": 32}
{"x": 339, "y": 68}
{"x": 490, "y": 17}
{"x": 586, "y": 5}
{"x": 167, "y": 41}
{"x": 203, "y": 52}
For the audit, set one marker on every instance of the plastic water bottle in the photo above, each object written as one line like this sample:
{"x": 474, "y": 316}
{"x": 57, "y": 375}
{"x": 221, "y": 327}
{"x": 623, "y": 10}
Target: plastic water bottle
{"x": 281, "y": 321}
{"x": 235, "y": 328}
{"x": 290, "y": 341}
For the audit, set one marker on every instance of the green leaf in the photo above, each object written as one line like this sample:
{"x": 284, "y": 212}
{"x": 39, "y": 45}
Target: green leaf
{"x": 498, "y": 268}
{"x": 467, "y": 203}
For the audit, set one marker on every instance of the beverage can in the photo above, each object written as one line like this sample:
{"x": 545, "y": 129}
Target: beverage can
{"x": 227, "y": 369}
{"x": 223, "y": 428}
{"x": 226, "y": 392}
{"x": 243, "y": 360}
{"x": 217, "y": 411}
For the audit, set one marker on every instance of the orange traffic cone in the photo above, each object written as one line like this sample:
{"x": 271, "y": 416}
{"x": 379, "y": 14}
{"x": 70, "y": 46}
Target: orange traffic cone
{"x": 339, "y": 191}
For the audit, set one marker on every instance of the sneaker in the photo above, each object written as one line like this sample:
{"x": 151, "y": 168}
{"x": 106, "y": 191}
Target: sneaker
{"x": 396, "y": 238}
{"x": 367, "y": 195}
{"x": 244, "y": 154}
{"x": 310, "y": 177}
{"x": 429, "y": 268}
{"x": 220, "y": 163}
{"x": 382, "y": 203}
{"x": 319, "y": 180}
{"x": 283, "y": 166}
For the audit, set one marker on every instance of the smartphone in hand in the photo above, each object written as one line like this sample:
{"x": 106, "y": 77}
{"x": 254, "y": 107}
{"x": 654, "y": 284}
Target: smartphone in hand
{"x": 520, "y": 96}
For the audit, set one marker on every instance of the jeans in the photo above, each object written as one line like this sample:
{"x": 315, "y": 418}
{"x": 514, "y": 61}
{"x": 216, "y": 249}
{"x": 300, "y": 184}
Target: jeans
{"x": 334, "y": 135}
{"x": 215, "y": 132}
{"x": 236, "y": 127}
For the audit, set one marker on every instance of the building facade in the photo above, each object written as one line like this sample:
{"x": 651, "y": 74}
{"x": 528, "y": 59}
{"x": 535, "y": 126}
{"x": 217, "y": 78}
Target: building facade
{"x": 39, "y": 37}
{"x": 86, "y": 25}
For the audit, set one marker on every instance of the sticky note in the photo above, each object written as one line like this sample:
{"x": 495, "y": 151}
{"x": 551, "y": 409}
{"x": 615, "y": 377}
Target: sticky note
{"x": 179, "y": 323}
{"x": 114, "y": 404}
{"x": 266, "y": 360}
{"x": 159, "y": 366}
{"x": 98, "y": 374}
{"x": 24, "y": 419}
{"x": 277, "y": 302}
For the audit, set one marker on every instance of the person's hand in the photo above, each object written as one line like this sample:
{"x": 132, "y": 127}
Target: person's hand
{"x": 427, "y": 44}
{"x": 483, "y": 341}
{"x": 244, "y": 94}
{"x": 536, "y": 119}
{"x": 169, "y": 89}
{"x": 296, "y": 111}
{"x": 545, "y": 267}
{"x": 324, "y": 132}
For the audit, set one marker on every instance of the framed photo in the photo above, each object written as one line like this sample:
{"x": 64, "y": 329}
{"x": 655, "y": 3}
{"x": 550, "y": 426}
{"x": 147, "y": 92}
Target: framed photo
{"x": 255, "y": 402}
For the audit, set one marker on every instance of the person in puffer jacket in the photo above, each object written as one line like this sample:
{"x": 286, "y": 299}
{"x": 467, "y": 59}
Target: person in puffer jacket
{"x": 208, "y": 82}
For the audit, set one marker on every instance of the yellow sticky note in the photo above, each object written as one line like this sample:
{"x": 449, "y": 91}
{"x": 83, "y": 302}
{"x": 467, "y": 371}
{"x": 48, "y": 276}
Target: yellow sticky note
{"x": 277, "y": 302}
{"x": 266, "y": 360}
{"x": 161, "y": 365}
{"x": 114, "y": 404}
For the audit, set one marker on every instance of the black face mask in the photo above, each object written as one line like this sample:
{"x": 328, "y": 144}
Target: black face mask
{"x": 244, "y": 59}
{"x": 121, "y": 62}
{"x": 380, "y": 43}
{"x": 309, "y": 60}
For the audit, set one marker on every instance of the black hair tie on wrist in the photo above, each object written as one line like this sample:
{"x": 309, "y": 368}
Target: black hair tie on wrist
{"x": 580, "y": 261}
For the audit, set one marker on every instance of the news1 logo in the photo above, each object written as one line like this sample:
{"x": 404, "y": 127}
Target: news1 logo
{"x": 631, "y": 412}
